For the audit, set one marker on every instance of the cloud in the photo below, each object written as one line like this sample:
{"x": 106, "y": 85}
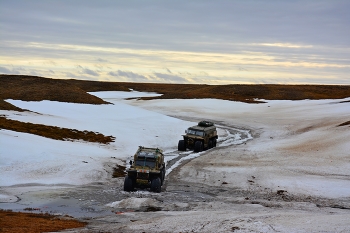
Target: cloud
{"x": 70, "y": 75}
{"x": 169, "y": 78}
{"x": 77, "y": 76}
{"x": 283, "y": 45}
{"x": 88, "y": 71}
{"x": 153, "y": 77}
{"x": 101, "y": 60}
{"x": 50, "y": 62}
{"x": 13, "y": 70}
{"x": 131, "y": 76}
{"x": 273, "y": 40}
{"x": 34, "y": 73}
{"x": 5, "y": 70}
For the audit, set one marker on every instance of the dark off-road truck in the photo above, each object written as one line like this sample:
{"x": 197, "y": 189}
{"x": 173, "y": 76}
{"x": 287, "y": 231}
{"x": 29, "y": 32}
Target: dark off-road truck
{"x": 146, "y": 171}
{"x": 199, "y": 137}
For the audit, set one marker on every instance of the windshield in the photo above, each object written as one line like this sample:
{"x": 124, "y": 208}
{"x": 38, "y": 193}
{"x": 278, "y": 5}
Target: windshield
{"x": 146, "y": 154}
{"x": 195, "y": 132}
{"x": 145, "y": 163}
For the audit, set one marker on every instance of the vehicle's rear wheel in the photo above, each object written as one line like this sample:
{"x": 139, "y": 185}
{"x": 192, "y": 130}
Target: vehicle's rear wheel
{"x": 128, "y": 184}
{"x": 210, "y": 144}
{"x": 181, "y": 146}
{"x": 214, "y": 142}
{"x": 156, "y": 185}
{"x": 198, "y": 146}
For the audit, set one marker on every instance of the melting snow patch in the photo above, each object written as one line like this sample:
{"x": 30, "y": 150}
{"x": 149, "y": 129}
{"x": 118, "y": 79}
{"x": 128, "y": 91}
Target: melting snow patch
{"x": 8, "y": 198}
{"x": 134, "y": 203}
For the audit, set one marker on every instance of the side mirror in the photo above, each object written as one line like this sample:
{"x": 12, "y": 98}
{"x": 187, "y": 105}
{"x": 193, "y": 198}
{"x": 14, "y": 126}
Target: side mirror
{"x": 130, "y": 162}
{"x": 186, "y": 131}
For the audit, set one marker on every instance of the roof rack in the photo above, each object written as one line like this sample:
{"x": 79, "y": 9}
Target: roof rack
{"x": 205, "y": 123}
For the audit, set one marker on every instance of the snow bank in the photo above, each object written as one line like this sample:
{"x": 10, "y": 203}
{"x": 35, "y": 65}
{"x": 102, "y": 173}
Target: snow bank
{"x": 27, "y": 158}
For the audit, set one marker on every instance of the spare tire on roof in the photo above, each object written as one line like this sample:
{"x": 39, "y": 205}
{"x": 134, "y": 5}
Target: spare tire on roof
{"x": 205, "y": 123}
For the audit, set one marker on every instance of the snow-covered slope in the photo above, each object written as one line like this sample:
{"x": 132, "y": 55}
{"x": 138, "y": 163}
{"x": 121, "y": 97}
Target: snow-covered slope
{"x": 27, "y": 158}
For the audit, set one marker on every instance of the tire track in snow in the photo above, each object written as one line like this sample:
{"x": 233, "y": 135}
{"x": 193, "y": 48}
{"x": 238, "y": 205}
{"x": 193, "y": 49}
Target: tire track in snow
{"x": 233, "y": 136}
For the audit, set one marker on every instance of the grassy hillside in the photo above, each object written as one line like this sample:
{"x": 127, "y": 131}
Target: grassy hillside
{"x": 32, "y": 88}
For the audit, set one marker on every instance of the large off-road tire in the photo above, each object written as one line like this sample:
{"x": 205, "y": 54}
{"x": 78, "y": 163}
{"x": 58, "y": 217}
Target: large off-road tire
{"x": 198, "y": 146}
{"x": 181, "y": 146}
{"x": 156, "y": 185}
{"x": 214, "y": 142}
{"x": 128, "y": 184}
{"x": 210, "y": 144}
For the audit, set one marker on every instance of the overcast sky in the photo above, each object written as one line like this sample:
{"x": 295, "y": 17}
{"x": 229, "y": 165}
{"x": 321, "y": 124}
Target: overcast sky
{"x": 178, "y": 41}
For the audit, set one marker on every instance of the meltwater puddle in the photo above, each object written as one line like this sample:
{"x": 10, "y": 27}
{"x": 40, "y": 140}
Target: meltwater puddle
{"x": 56, "y": 202}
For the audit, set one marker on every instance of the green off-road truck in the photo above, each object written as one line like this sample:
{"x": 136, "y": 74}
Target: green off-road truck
{"x": 199, "y": 137}
{"x": 146, "y": 171}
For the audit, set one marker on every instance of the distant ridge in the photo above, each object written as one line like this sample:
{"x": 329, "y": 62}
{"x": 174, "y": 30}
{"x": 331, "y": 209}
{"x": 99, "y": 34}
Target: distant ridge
{"x": 34, "y": 88}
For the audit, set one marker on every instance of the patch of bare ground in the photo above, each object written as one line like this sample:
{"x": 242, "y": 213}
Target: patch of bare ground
{"x": 7, "y": 106}
{"x": 19, "y": 222}
{"x": 54, "y": 132}
{"x": 33, "y": 88}
{"x": 234, "y": 92}
{"x": 345, "y": 123}
{"x": 119, "y": 171}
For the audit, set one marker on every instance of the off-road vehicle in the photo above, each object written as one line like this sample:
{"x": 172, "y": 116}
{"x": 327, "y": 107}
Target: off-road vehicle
{"x": 199, "y": 137}
{"x": 146, "y": 171}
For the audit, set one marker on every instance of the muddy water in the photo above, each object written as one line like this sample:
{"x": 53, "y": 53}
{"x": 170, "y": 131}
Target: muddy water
{"x": 60, "y": 201}
{"x": 92, "y": 201}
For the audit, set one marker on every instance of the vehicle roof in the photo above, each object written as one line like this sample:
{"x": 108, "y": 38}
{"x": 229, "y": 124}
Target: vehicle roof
{"x": 149, "y": 152}
{"x": 201, "y": 128}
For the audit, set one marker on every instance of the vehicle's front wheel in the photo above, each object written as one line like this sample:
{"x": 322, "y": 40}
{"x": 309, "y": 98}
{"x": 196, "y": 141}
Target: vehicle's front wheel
{"x": 181, "y": 146}
{"x": 198, "y": 146}
{"x": 156, "y": 185}
{"x": 128, "y": 184}
{"x": 214, "y": 142}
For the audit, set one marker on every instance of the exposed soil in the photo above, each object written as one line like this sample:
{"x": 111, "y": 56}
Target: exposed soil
{"x": 119, "y": 171}
{"x": 54, "y": 132}
{"x": 33, "y": 88}
{"x": 7, "y": 106}
{"x": 13, "y": 222}
{"x": 345, "y": 123}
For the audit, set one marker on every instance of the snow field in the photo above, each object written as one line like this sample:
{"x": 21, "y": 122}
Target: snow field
{"x": 281, "y": 127}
